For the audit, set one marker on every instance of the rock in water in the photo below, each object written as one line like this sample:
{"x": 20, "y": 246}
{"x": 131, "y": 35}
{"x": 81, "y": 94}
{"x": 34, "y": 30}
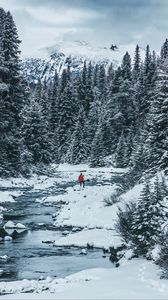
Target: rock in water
{"x": 7, "y": 238}
{"x": 9, "y": 224}
{"x": 20, "y": 226}
{"x": 83, "y": 252}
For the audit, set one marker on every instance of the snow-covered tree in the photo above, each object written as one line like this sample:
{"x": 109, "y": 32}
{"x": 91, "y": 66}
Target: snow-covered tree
{"x": 137, "y": 64}
{"x": 97, "y": 149}
{"x": 35, "y": 134}
{"x": 12, "y": 96}
{"x": 65, "y": 119}
{"x": 78, "y": 149}
{"x": 149, "y": 216}
{"x": 157, "y": 125}
{"x": 120, "y": 152}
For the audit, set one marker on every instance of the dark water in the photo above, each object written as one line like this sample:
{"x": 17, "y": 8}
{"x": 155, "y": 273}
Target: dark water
{"x": 28, "y": 256}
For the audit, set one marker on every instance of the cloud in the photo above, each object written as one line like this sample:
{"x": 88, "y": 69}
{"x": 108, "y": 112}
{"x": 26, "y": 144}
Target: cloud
{"x": 63, "y": 16}
{"x": 101, "y": 22}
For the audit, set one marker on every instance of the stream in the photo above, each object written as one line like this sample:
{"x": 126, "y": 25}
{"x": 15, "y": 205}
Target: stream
{"x": 31, "y": 258}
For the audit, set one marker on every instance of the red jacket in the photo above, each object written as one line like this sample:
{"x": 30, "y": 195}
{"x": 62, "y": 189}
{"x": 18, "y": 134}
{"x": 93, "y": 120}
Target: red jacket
{"x": 81, "y": 178}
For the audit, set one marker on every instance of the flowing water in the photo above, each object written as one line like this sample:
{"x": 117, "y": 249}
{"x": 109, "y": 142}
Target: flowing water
{"x": 29, "y": 256}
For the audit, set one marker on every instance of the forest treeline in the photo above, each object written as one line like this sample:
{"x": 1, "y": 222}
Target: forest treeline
{"x": 118, "y": 113}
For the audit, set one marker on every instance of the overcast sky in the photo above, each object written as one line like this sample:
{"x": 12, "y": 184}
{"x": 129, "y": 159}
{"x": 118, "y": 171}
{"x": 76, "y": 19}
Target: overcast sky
{"x": 100, "y": 22}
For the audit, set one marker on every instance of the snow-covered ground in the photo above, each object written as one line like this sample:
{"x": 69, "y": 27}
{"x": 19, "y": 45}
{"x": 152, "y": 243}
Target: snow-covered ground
{"x": 7, "y": 196}
{"x": 135, "y": 279}
{"x": 86, "y": 208}
{"x": 93, "y": 223}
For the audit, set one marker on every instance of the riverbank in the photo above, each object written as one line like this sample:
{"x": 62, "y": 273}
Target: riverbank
{"x": 79, "y": 221}
{"x": 135, "y": 279}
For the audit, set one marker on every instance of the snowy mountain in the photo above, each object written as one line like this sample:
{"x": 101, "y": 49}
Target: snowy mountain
{"x": 58, "y": 57}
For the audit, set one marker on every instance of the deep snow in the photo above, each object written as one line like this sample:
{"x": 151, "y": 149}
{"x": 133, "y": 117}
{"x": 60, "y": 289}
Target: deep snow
{"x": 135, "y": 279}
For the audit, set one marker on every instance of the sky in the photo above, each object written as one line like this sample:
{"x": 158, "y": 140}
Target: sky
{"x": 43, "y": 23}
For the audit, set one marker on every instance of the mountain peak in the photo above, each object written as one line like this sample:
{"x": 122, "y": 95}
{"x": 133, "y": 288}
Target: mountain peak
{"x": 79, "y": 49}
{"x": 73, "y": 53}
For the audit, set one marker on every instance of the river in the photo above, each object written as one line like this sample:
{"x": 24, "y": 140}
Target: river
{"x": 29, "y": 256}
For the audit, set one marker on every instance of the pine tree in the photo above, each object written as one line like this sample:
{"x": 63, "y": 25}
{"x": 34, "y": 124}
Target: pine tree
{"x": 65, "y": 120}
{"x": 149, "y": 217}
{"x": 126, "y": 67}
{"x": 137, "y": 65}
{"x": 120, "y": 152}
{"x": 97, "y": 149}
{"x": 162, "y": 261}
{"x": 89, "y": 89}
{"x": 110, "y": 73}
{"x": 54, "y": 103}
{"x": 93, "y": 118}
{"x": 96, "y": 76}
{"x": 137, "y": 159}
{"x": 2, "y": 25}
{"x": 126, "y": 105}
{"x": 44, "y": 101}
{"x": 142, "y": 229}
{"x": 149, "y": 78}
{"x": 12, "y": 96}
{"x": 54, "y": 117}
{"x": 114, "y": 115}
{"x": 78, "y": 149}
{"x": 138, "y": 94}
{"x": 35, "y": 134}
{"x": 129, "y": 146}
{"x": 64, "y": 79}
{"x": 157, "y": 124}
{"x": 102, "y": 83}
{"x": 164, "y": 51}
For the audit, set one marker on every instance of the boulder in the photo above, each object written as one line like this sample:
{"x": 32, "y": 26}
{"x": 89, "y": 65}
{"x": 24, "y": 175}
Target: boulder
{"x": 20, "y": 226}
{"x": 83, "y": 252}
{"x": 9, "y": 224}
{"x": 8, "y": 238}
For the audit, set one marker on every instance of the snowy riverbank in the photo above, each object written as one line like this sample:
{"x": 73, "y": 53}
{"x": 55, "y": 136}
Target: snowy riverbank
{"x": 135, "y": 279}
{"x": 92, "y": 223}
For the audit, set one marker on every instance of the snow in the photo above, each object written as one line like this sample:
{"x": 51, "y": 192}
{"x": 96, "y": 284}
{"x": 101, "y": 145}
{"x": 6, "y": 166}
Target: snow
{"x": 8, "y": 238}
{"x": 134, "y": 279}
{"x": 35, "y": 182}
{"x": 99, "y": 238}
{"x": 20, "y": 226}
{"x": 155, "y": 252}
{"x": 6, "y": 196}
{"x": 9, "y": 224}
{"x": 4, "y": 87}
{"x": 86, "y": 208}
{"x": 12, "y": 225}
{"x": 92, "y": 223}
{"x": 133, "y": 194}
{"x": 4, "y": 257}
{"x": 73, "y": 53}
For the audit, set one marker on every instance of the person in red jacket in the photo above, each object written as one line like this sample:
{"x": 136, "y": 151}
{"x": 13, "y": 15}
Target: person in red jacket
{"x": 81, "y": 180}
